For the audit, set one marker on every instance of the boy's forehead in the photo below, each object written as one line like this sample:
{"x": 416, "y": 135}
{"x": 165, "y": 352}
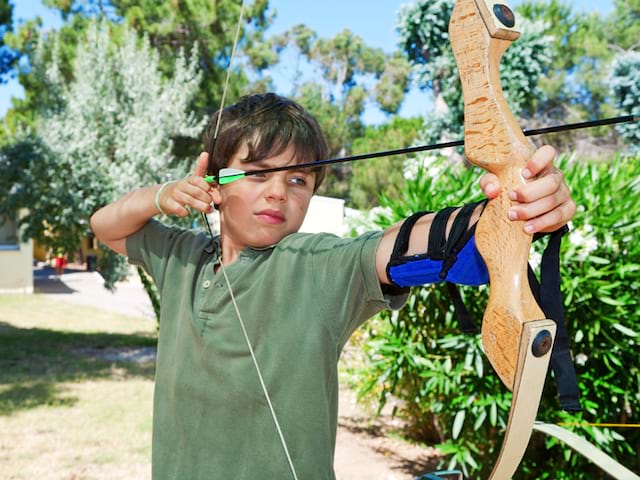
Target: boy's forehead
{"x": 286, "y": 157}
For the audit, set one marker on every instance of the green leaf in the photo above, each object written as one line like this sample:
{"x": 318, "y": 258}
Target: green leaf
{"x": 458, "y": 422}
{"x": 613, "y": 302}
{"x": 480, "y": 419}
{"x": 624, "y": 330}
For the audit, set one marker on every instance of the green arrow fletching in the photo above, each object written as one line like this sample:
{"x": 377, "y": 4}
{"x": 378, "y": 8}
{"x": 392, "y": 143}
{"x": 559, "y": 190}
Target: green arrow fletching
{"x": 226, "y": 175}
{"x": 222, "y": 180}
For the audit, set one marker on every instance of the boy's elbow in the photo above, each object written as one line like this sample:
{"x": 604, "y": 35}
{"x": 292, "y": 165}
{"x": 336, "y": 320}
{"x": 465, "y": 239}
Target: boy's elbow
{"x": 96, "y": 221}
{"x": 95, "y": 225}
{"x": 101, "y": 228}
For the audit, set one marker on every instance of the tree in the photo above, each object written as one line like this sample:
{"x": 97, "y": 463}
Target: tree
{"x": 349, "y": 74}
{"x": 625, "y": 88}
{"x": 624, "y": 24}
{"x": 110, "y": 130}
{"x": 423, "y": 29}
{"x": 8, "y": 57}
{"x": 381, "y": 176}
{"x": 207, "y": 28}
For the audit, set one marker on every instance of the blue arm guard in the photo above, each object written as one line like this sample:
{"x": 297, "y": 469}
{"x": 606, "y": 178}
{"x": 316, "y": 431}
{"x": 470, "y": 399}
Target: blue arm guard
{"x": 454, "y": 260}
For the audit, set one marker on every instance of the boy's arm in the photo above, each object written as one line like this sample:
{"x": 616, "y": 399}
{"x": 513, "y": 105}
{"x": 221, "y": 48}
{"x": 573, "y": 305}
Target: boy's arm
{"x": 544, "y": 204}
{"x": 115, "y": 222}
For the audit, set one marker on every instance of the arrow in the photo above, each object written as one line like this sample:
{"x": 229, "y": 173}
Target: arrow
{"x": 228, "y": 175}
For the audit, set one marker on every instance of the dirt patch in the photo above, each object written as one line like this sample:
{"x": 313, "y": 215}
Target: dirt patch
{"x": 368, "y": 448}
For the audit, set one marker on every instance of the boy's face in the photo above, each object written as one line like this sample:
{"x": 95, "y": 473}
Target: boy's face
{"x": 260, "y": 210}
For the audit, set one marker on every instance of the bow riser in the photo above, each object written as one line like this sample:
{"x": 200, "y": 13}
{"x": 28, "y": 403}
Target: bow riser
{"x": 495, "y": 142}
{"x": 516, "y": 337}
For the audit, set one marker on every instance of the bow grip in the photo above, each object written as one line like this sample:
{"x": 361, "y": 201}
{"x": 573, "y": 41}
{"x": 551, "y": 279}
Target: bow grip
{"x": 495, "y": 142}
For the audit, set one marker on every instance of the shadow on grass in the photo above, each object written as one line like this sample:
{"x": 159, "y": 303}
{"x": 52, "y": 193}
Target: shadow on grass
{"x": 35, "y": 362}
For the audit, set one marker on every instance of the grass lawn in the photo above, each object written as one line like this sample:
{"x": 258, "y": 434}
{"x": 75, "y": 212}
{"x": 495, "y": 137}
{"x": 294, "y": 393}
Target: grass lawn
{"x": 66, "y": 413}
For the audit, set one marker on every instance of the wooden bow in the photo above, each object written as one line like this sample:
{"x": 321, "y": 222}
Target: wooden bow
{"x": 516, "y": 337}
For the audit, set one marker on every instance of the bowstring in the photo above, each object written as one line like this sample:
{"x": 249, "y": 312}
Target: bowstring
{"x": 263, "y": 386}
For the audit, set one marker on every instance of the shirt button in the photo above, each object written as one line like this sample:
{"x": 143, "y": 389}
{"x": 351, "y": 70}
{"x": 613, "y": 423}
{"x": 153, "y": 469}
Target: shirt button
{"x": 206, "y": 284}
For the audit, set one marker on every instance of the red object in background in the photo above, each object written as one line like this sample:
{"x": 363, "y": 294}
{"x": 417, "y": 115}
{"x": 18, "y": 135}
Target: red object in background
{"x": 59, "y": 263}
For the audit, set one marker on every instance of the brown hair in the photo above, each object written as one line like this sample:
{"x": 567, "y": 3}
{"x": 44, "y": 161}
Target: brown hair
{"x": 268, "y": 124}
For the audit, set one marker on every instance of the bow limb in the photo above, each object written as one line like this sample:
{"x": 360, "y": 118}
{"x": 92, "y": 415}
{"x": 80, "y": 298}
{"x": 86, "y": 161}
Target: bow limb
{"x": 516, "y": 337}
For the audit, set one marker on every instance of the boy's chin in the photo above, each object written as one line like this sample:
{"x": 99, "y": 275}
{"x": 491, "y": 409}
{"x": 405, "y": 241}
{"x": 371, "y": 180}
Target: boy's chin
{"x": 270, "y": 241}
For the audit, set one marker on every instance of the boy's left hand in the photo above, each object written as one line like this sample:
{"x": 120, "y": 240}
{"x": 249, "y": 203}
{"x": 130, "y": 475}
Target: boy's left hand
{"x": 544, "y": 202}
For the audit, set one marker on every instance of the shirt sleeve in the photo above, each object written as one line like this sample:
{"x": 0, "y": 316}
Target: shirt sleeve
{"x": 347, "y": 285}
{"x": 155, "y": 245}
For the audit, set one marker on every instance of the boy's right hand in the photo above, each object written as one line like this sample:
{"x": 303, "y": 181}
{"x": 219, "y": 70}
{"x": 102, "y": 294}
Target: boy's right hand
{"x": 190, "y": 192}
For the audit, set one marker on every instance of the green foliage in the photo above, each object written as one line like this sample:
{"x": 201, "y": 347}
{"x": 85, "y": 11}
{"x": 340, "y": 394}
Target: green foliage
{"x": 8, "y": 57}
{"x": 381, "y": 175}
{"x": 205, "y": 29}
{"x": 346, "y": 62}
{"x": 340, "y": 124}
{"x": 347, "y": 73}
{"x": 625, "y": 88}
{"x": 423, "y": 28}
{"x": 446, "y": 388}
{"x": 59, "y": 197}
{"x": 110, "y": 130}
{"x": 393, "y": 83}
{"x": 576, "y": 85}
{"x": 624, "y": 24}
{"x": 573, "y": 35}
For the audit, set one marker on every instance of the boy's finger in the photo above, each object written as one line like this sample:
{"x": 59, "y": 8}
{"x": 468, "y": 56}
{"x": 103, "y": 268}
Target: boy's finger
{"x": 538, "y": 207}
{"x": 201, "y": 165}
{"x": 490, "y": 185}
{"x": 540, "y": 161}
{"x": 552, "y": 220}
{"x": 187, "y": 200}
{"x": 541, "y": 187}
{"x": 195, "y": 184}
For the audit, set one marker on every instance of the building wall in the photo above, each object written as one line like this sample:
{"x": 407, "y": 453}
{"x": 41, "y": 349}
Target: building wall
{"x": 16, "y": 261}
{"x": 325, "y": 214}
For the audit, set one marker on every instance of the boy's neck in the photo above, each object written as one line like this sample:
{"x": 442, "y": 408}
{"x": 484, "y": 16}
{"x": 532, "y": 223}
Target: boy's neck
{"x": 230, "y": 251}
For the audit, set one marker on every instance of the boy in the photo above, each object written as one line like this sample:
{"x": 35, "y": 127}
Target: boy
{"x": 253, "y": 322}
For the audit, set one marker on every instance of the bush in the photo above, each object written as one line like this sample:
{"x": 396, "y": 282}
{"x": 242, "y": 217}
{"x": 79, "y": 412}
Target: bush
{"x": 443, "y": 383}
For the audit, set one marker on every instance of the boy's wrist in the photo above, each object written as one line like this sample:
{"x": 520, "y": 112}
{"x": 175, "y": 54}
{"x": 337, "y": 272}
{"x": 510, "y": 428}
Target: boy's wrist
{"x": 157, "y": 198}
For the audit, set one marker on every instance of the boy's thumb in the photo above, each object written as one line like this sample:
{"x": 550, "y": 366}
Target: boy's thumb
{"x": 201, "y": 165}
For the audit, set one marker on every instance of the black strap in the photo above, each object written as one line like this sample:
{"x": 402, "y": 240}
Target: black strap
{"x": 549, "y": 297}
{"x": 401, "y": 244}
{"x": 437, "y": 233}
{"x": 458, "y": 237}
{"x": 465, "y": 320}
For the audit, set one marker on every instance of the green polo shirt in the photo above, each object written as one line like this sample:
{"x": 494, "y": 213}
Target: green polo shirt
{"x": 300, "y": 301}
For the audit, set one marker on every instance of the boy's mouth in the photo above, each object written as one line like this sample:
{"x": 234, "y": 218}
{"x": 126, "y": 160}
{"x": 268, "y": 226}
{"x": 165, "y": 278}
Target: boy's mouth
{"x": 271, "y": 216}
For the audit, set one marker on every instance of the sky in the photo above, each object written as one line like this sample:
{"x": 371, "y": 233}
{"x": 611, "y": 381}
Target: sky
{"x": 373, "y": 20}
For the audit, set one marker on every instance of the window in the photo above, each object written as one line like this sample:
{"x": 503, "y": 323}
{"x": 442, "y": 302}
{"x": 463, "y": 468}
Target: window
{"x": 8, "y": 235}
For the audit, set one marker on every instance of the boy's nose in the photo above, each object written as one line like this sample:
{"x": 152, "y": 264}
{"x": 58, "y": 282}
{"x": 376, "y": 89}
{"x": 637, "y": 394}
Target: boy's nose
{"x": 276, "y": 188}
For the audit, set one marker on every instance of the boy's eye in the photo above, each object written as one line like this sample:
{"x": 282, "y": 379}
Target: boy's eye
{"x": 302, "y": 181}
